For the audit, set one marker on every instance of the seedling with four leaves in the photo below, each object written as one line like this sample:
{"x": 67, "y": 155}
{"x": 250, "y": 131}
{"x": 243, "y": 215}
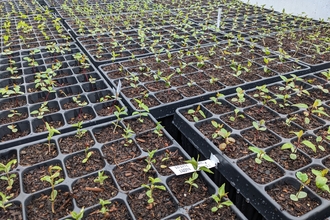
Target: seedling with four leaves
{"x": 150, "y": 188}
{"x": 4, "y": 201}
{"x": 321, "y": 180}
{"x": 303, "y": 177}
{"x": 150, "y": 160}
{"x": 221, "y": 199}
{"x": 194, "y": 113}
{"x": 8, "y": 177}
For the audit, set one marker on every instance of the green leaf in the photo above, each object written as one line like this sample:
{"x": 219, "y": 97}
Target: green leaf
{"x": 309, "y": 144}
{"x": 320, "y": 181}
{"x": 227, "y": 203}
{"x": 293, "y": 156}
{"x": 302, "y": 195}
{"x": 301, "y": 105}
{"x": 214, "y": 209}
{"x": 303, "y": 177}
{"x": 293, "y": 197}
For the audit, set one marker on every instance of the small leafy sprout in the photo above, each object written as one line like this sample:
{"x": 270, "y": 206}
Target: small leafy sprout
{"x": 13, "y": 128}
{"x": 104, "y": 209}
{"x": 13, "y": 113}
{"x": 303, "y": 177}
{"x": 52, "y": 180}
{"x": 194, "y": 113}
{"x": 145, "y": 109}
{"x": 233, "y": 118}
{"x": 128, "y": 133}
{"x": 158, "y": 129}
{"x": 218, "y": 198}
{"x": 51, "y": 132}
{"x": 8, "y": 177}
{"x": 76, "y": 99}
{"x": 194, "y": 176}
{"x": 88, "y": 154}
{"x": 119, "y": 111}
{"x": 260, "y": 126}
{"x": 165, "y": 159}
{"x": 215, "y": 99}
{"x": 80, "y": 132}
{"x": 321, "y": 180}
{"x": 227, "y": 140}
{"x": 218, "y": 127}
{"x": 293, "y": 149}
{"x": 3, "y": 201}
{"x": 151, "y": 188}
{"x": 100, "y": 178}
{"x": 316, "y": 108}
{"x": 78, "y": 216}
{"x": 149, "y": 160}
{"x": 240, "y": 96}
{"x": 41, "y": 111}
{"x": 260, "y": 155}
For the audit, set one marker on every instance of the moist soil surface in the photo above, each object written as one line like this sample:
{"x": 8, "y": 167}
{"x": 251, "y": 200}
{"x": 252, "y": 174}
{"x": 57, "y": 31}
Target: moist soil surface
{"x": 163, "y": 205}
{"x": 180, "y": 190}
{"x": 131, "y": 175}
{"x": 117, "y": 210}
{"x": 149, "y": 141}
{"x": 37, "y": 153}
{"x": 261, "y": 173}
{"x": 281, "y": 194}
{"x": 72, "y": 143}
{"x": 203, "y": 211}
{"x": 75, "y": 166}
{"x": 120, "y": 151}
{"x": 260, "y": 139}
{"x": 166, "y": 159}
{"x": 87, "y": 192}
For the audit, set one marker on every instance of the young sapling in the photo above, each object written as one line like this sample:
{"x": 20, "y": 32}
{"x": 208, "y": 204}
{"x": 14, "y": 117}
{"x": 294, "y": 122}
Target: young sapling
{"x": 128, "y": 133}
{"x": 104, "y": 209}
{"x": 53, "y": 182}
{"x": 13, "y": 128}
{"x": 194, "y": 113}
{"x": 80, "y": 132}
{"x": 236, "y": 115}
{"x": 145, "y": 111}
{"x": 8, "y": 177}
{"x": 303, "y": 177}
{"x": 240, "y": 96}
{"x": 221, "y": 199}
{"x": 4, "y": 201}
{"x": 100, "y": 178}
{"x": 149, "y": 160}
{"x": 78, "y": 216}
{"x": 51, "y": 132}
{"x": 260, "y": 156}
{"x": 88, "y": 154}
{"x": 158, "y": 129}
{"x": 151, "y": 188}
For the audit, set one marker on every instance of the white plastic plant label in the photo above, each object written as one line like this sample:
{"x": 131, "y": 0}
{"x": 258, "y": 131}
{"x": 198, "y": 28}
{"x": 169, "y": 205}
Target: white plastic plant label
{"x": 219, "y": 18}
{"x": 188, "y": 168}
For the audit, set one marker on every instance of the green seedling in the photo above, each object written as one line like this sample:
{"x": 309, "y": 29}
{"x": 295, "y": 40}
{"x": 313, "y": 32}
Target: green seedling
{"x": 158, "y": 129}
{"x": 164, "y": 160}
{"x": 261, "y": 155}
{"x": 104, "y": 209}
{"x": 13, "y": 113}
{"x": 80, "y": 132}
{"x": 303, "y": 177}
{"x": 149, "y": 160}
{"x": 4, "y": 201}
{"x": 221, "y": 199}
{"x": 144, "y": 112}
{"x": 151, "y": 188}
{"x": 194, "y": 176}
{"x": 321, "y": 180}
{"x": 51, "y": 132}
{"x": 78, "y": 216}
{"x": 216, "y": 99}
{"x": 13, "y": 128}
{"x": 293, "y": 149}
{"x": 100, "y": 178}
{"x": 8, "y": 177}
{"x": 316, "y": 108}
{"x": 88, "y": 154}
{"x": 40, "y": 112}
{"x": 127, "y": 135}
{"x": 119, "y": 111}
{"x": 194, "y": 113}
{"x": 240, "y": 96}
{"x": 236, "y": 115}
{"x": 53, "y": 182}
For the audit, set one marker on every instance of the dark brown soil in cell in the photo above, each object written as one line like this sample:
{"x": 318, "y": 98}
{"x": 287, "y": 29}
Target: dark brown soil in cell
{"x": 295, "y": 99}
{"x": 203, "y": 211}
{"x": 13, "y": 136}
{"x": 234, "y": 150}
{"x": 247, "y": 102}
{"x": 75, "y": 166}
{"x": 32, "y": 178}
{"x": 283, "y": 158}
{"x": 14, "y": 211}
{"x": 12, "y": 103}
{"x": 133, "y": 92}
{"x": 15, "y": 118}
{"x": 190, "y": 91}
{"x": 81, "y": 117}
{"x": 168, "y": 96}
{"x": 156, "y": 86}
{"x": 37, "y": 153}
{"x": 166, "y": 159}
{"x": 218, "y": 108}
{"x": 180, "y": 189}
{"x": 138, "y": 126}
{"x": 281, "y": 194}
{"x": 260, "y": 112}
{"x": 40, "y": 207}
{"x": 261, "y": 173}
{"x": 282, "y": 129}
{"x": 312, "y": 184}
{"x": 241, "y": 120}
{"x": 117, "y": 210}
{"x": 260, "y": 139}
{"x": 120, "y": 151}
{"x": 87, "y": 192}
{"x": 319, "y": 153}
{"x": 131, "y": 175}
{"x": 73, "y": 143}
{"x": 163, "y": 205}
{"x": 149, "y": 141}
{"x": 149, "y": 101}
{"x": 108, "y": 133}
{"x": 42, "y": 127}
{"x": 285, "y": 109}
{"x": 300, "y": 120}
{"x": 206, "y": 85}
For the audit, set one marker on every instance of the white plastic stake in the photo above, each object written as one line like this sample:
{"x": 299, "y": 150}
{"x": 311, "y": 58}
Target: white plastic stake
{"x": 219, "y": 18}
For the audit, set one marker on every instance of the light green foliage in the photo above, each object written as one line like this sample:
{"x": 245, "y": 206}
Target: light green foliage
{"x": 321, "y": 180}
{"x": 303, "y": 177}
{"x": 260, "y": 155}
{"x": 8, "y": 177}
{"x": 152, "y": 187}
{"x": 219, "y": 199}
